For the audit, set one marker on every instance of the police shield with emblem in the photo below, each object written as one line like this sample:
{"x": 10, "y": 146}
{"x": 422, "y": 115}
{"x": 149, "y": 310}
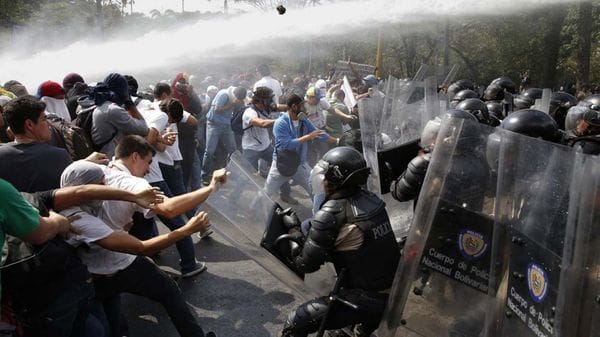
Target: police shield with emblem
{"x": 259, "y": 227}
{"x": 441, "y": 285}
{"x": 578, "y": 308}
{"x": 391, "y": 137}
{"x": 531, "y": 212}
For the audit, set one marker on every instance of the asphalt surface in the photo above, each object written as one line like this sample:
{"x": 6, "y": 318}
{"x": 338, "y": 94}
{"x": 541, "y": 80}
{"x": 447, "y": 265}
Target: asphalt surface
{"x": 235, "y": 296}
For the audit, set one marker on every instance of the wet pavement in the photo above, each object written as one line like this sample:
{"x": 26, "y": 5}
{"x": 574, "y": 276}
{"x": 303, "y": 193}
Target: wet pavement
{"x": 233, "y": 297}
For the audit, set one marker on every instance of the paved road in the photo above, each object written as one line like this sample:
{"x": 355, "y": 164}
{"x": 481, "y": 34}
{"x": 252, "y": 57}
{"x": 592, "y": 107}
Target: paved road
{"x": 234, "y": 297}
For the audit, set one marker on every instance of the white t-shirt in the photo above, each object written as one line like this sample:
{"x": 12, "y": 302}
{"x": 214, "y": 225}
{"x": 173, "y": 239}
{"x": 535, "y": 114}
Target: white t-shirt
{"x": 97, "y": 259}
{"x": 158, "y": 120}
{"x": 272, "y": 84}
{"x": 315, "y": 112}
{"x": 254, "y": 138}
{"x": 173, "y": 150}
{"x": 57, "y": 106}
{"x": 116, "y": 213}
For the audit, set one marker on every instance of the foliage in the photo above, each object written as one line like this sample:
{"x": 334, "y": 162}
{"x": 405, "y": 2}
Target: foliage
{"x": 546, "y": 43}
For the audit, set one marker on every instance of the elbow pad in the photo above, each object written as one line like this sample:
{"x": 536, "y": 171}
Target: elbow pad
{"x": 408, "y": 185}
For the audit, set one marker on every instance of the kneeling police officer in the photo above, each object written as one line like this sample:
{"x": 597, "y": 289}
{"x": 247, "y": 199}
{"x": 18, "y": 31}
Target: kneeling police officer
{"x": 351, "y": 230}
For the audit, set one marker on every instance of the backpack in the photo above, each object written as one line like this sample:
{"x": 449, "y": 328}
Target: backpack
{"x": 237, "y": 120}
{"x": 70, "y": 137}
{"x": 32, "y": 275}
{"x": 85, "y": 121}
{"x": 237, "y": 125}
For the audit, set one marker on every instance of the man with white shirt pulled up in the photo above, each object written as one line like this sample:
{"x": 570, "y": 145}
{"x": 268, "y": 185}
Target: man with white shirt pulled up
{"x": 111, "y": 256}
{"x": 133, "y": 158}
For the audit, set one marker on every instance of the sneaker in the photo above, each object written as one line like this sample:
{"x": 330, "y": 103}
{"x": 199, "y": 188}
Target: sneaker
{"x": 205, "y": 234}
{"x": 289, "y": 199}
{"x": 200, "y": 267}
{"x": 205, "y": 183}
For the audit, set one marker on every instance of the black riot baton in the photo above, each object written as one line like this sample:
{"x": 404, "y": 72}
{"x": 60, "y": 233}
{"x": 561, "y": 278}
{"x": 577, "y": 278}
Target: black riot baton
{"x": 333, "y": 297}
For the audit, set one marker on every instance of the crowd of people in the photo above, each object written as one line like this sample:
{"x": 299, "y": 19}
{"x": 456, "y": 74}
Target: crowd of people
{"x": 159, "y": 154}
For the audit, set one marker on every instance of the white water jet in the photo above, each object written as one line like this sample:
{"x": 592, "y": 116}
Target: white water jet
{"x": 246, "y": 34}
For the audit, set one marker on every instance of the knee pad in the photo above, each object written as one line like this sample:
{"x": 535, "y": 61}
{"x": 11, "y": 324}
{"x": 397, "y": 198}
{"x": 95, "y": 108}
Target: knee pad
{"x": 305, "y": 319}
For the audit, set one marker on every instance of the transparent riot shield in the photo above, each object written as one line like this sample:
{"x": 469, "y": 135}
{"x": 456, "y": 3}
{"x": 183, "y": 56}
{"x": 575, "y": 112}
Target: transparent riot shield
{"x": 391, "y": 138}
{"x": 532, "y": 207}
{"x": 254, "y": 223}
{"x": 578, "y": 308}
{"x": 441, "y": 283}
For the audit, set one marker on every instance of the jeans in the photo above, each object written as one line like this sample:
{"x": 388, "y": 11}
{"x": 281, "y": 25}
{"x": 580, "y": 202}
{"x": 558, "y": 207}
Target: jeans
{"x": 143, "y": 229}
{"x": 275, "y": 180}
{"x": 267, "y": 155}
{"x": 174, "y": 178}
{"x": 143, "y": 278}
{"x": 214, "y": 133}
{"x": 201, "y": 135}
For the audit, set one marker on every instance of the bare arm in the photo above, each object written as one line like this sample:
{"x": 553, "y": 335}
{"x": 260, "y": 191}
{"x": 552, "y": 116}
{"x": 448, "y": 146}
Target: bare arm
{"x": 192, "y": 121}
{"x": 48, "y": 228}
{"x": 180, "y": 204}
{"x": 135, "y": 113}
{"x": 262, "y": 123}
{"x": 311, "y": 136}
{"x": 125, "y": 243}
{"x": 341, "y": 115}
{"x": 153, "y": 136}
{"x": 72, "y": 196}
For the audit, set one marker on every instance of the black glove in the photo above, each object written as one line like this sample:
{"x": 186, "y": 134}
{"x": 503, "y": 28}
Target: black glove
{"x": 289, "y": 218}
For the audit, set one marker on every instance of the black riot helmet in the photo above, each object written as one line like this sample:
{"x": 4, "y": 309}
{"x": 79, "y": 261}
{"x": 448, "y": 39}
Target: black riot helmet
{"x": 462, "y": 95}
{"x": 477, "y": 108}
{"x": 532, "y": 123}
{"x": 533, "y": 93}
{"x": 454, "y": 113}
{"x": 506, "y": 83}
{"x": 345, "y": 168}
{"x": 495, "y": 109}
{"x": 459, "y": 85}
{"x": 495, "y": 91}
{"x": 527, "y": 98}
{"x": 562, "y": 100}
{"x": 592, "y": 102}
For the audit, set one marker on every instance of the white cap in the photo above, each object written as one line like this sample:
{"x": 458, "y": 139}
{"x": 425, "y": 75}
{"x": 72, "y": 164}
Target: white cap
{"x": 321, "y": 84}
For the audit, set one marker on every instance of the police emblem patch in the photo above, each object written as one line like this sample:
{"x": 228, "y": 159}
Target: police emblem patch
{"x": 537, "y": 282}
{"x": 471, "y": 244}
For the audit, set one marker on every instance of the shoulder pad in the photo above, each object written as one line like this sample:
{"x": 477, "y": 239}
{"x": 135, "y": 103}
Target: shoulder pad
{"x": 365, "y": 204}
{"x": 330, "y": 215}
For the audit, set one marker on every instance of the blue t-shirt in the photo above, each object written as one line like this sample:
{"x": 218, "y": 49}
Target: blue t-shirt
{"x": 220, "y": 100}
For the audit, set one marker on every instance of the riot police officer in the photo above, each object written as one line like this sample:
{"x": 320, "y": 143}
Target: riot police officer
{"x": 408, "y": 185}
{"x": 352, "y": 230}
{"x": 582, "y": 125}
